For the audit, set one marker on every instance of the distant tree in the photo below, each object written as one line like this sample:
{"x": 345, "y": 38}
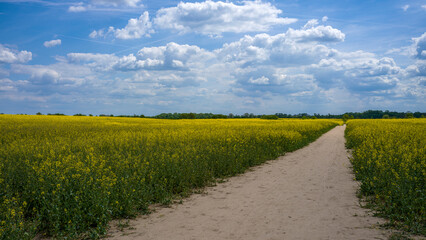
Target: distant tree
{"x": 345, "y": 117}
{"x": 409, "y": 115}
{"x": 218, "y": 116}
{"x": 39, "y": 113}
{"x": 305, "y": 117}
{"x": 417, "y": 114}
{"x": 385, "y": 116}
{"x": 269, "y": 117}
{"x": 314, "y": 117}
{"x": 187, "y": 116}
{"x": 56, "y": 114}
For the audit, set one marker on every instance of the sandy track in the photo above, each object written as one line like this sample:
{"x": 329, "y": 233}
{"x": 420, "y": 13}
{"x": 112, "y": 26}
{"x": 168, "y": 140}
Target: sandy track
{"x": 306, "y": 194}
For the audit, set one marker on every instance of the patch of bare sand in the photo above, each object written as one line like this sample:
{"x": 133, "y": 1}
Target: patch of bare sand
{"x": 306, "y": 194}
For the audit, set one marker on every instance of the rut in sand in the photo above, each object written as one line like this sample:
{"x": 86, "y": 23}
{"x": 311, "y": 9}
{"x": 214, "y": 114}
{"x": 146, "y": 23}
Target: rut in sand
{"x": 306, "y": 194}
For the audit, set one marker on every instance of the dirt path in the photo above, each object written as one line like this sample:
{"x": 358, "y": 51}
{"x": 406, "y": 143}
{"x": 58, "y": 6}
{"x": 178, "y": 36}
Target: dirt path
{"x": 306, "y": 194}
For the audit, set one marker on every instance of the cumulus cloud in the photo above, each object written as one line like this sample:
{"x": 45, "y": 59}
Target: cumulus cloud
{"x": 215, "y": 18}
{"x": 117, "y": 3}
{"x": 38, "y": 74}
{"x": 419, "y": 46}
{"x": 105, "y": 5}
{"x": 358, "y": 73}
{"x": 175, "y": 55}
{"x": 8, "y": 55}
{"x": 52, "y": 43}
{"x": 296, "y": 67}
{"x": 97, "y": 61}
{"x": 172, "y": 56}
{"x": 292, "y": 48}
{"x": 300, "y": 61}
{"x": 7, "y": 85}
{"x": 77, "y": 8}
{"x": 405, "y": 7}
{"x": 312, "y": 32}
{"x": 261, "y": 80}
{"x": 135, "y": 28}
{"x": 295, "y": 47}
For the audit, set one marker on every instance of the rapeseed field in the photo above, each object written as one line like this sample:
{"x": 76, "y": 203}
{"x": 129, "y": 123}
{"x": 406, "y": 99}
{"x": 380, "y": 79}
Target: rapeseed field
{"x": 389, "y": 158}
{"x": 67, "y": 177}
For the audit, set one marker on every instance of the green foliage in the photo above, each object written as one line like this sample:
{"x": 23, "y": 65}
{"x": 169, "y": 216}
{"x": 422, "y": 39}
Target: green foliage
{"x": 389, "y": 158}
{"x": 191, "y": 116}
{"x": 409, "y": 115}
{"x": 187, "y": 116}
{"x": 270, "y": 117}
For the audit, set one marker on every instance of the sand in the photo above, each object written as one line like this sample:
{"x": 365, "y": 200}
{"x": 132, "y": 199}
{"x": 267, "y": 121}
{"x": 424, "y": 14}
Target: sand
{"x": 306, "y": 194}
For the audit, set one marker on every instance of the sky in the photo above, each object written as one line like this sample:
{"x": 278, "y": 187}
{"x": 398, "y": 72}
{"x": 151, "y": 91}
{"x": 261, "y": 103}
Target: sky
{"x": 263, "y": 57}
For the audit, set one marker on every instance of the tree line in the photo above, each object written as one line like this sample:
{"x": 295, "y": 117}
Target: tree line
{"x": 369, "y": 114}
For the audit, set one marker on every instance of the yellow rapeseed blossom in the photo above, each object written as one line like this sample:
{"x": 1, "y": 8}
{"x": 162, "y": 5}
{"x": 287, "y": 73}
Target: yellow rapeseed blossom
{"x": 389, "y": 158}
{"x": 70, "y": 173}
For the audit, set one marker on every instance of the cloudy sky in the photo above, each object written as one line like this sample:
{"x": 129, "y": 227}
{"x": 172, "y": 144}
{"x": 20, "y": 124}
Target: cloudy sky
{"x": 148, "y": 57}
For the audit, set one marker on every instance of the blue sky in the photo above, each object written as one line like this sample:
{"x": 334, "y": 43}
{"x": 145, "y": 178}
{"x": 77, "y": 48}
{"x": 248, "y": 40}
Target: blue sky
{"x": 262, "y": 57}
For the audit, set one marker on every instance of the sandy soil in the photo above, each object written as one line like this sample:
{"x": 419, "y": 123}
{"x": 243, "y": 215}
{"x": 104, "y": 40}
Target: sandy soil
{"x": 306, "y": 194}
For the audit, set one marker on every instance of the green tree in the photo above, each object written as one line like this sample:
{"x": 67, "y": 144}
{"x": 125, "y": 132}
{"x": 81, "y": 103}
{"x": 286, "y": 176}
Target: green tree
{"x": 345, "y": 117}
{"x": 409, "y": 115}
{"x": 270, "y": 117}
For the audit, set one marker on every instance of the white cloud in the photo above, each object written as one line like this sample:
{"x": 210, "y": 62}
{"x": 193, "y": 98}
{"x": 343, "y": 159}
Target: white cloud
{"x": 96, "y": 34}
{"x": 405, "y": 7}
{"x": 324, "y": 19}
{"x": 8, "y": 55}
{"x": 77, "y": 8}
{"x": 38, "y": 74}
{"x": 52, "y": 43}
{"x": 357, "y": 72}
{"x": 136, "y": 28}
{"x": 255, "y": 72}
{"x": 208, "y": 18}
{"x": 311, "y": 32}
{"x": 298, "y": 61}
{"x": 311, "y": 24}
{"x": 106, "y": 5}
{"x": 215, "y": 18}
{"x": 260, "y": 81}
{"x": 172, "y": 56}
{"x": 424, "y": 7}
{"x": 7, "y": 85}
{"x": 117, "y": 3}
{"x": 97, "y": 61}
{"x": 419, "y": 47}
{"x": 295, "y": 47}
